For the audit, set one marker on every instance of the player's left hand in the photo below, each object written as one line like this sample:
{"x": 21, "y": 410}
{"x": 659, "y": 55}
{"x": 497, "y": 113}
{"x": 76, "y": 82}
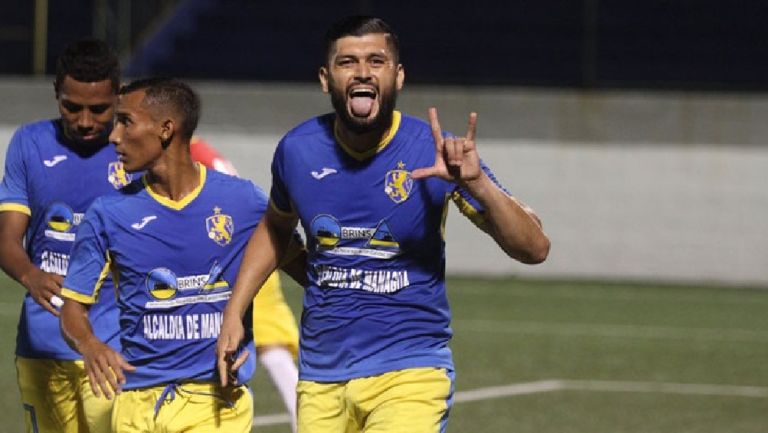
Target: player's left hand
{"x": 456, "y": 158}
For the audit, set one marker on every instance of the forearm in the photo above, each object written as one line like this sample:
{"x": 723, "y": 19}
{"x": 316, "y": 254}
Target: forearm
{"x": 513, "y": 225}
{"x": 266, "y": 247}
{"x": 13, "y": 258}
{"x": 75, "y": 325}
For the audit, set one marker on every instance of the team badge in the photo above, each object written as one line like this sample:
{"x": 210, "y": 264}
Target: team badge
{"x": 117, "y": 176}
{"x": 398, "y": 183}
{"x": 220, "y": 227}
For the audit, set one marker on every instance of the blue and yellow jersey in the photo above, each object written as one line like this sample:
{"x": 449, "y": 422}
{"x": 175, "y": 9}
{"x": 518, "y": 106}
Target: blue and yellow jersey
{"x": 376, "y": 301}
{"x": 175, "y": 263}
{"x": 54, "y": 184}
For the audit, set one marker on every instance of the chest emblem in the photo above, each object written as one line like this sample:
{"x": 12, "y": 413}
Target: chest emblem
{"x": 398, "y": 183}
{"x": 117, "y": 176}
{"x": 220, "y": 227}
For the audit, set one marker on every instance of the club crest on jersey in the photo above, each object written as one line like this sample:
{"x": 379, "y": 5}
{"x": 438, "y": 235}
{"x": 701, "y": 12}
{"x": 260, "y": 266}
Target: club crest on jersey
{"x": 117, "y": 176}
{"x": 220, "y": 227}
{"x": 161, "y": 283}
{"x": 398, "y": 183}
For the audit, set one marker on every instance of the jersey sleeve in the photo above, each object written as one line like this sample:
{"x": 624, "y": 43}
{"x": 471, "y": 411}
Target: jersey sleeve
{"x": 89, "y": 263}
{"x": 13, "y": 189}
{"x": 468, "y": 206}
{"x": 279, "y": 198}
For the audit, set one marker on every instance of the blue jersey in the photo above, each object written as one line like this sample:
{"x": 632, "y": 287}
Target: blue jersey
{"x": 54, "y": 184}
{"x": 376, "y": 300}
{"x": 175, "y": 263}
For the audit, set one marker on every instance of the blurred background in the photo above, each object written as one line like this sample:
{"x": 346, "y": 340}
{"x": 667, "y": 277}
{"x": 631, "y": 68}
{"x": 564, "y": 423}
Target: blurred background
{"x": 636, "y": 129}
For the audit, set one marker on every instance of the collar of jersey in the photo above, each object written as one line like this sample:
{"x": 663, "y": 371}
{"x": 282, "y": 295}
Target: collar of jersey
{"x": 360, "y": 156}
{"x": 180, "y": 204}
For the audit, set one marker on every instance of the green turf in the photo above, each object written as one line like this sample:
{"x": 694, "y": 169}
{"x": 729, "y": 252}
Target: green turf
{"x": 511, "y": 331}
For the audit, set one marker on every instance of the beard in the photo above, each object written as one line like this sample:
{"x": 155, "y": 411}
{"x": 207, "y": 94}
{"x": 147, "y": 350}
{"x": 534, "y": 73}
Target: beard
{"x": 359, "y": 125}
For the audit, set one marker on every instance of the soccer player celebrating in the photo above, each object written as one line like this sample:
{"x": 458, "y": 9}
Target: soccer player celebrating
{"x": 174, "y": 242}
{"x": 370, "y": 186}
{"x": 54, "y": 170}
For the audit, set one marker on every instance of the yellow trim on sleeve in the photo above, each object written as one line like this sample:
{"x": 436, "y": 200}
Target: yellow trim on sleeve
{"x": 468, "y": 210}
{"x": 79, "y": 297}
{"x": 16, "y": 208}
{"x": 360, "y": 156}
{"x": 180, "y": 204}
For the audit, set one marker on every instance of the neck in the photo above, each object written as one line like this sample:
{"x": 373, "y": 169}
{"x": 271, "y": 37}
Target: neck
{"x": 174, "y": 175}
{"x": 362, "y": 142}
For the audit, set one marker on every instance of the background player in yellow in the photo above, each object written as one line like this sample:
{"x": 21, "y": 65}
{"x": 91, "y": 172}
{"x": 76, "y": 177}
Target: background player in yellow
{"x": 54, "y": 170}
{"x": 274, "y": 326}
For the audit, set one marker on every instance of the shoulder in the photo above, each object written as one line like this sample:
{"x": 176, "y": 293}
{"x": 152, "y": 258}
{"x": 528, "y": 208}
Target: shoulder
{"x": 414, "y": 128}
{"x": 236, "y": 187}
{"x": 316, "y": 127}
{"x": 42, "y": 132}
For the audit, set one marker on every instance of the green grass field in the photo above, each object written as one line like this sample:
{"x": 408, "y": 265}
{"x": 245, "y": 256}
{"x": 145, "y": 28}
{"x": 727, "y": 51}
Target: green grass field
{"x": 565, "y": 357}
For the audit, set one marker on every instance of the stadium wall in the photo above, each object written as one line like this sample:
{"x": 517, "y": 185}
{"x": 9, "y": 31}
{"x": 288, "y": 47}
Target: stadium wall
{"x": 630, "y": 185}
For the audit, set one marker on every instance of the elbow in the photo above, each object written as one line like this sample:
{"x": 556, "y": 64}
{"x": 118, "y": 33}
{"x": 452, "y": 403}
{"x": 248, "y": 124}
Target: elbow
{"x": 538, "y": 251}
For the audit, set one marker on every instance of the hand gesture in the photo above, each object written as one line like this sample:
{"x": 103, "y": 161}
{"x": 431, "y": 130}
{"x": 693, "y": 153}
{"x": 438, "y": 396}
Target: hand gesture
{"x": 456, "y": 158}
{"x": 43, "y": 287}
{"x": 104, "y": 367}
{"x": 228, "y": 362}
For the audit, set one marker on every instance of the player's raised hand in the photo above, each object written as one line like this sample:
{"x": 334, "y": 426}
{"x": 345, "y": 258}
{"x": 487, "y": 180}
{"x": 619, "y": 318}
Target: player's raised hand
{"x": 232, "y": 333}
{"x": 104, "y": 367}
{"x": 44, "y": 288}
{"x": 456, "y": 158}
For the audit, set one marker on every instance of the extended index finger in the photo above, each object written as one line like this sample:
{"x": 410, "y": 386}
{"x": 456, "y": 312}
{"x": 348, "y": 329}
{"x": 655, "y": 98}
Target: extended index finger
{"x": 472, "y": 126}
{"x": 434, "y": 124}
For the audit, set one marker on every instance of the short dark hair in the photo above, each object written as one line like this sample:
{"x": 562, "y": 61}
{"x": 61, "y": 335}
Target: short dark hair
{"x": 172, "y": 94}
{"x": 88, "y": 61}
{"x": 360, "y": 25}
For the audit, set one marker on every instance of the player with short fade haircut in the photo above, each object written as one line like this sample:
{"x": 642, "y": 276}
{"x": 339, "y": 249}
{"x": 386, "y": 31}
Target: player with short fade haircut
{"x": 371, "y": 187}
{"x": 54, "y": 169}
{"x": 174, "y": 241}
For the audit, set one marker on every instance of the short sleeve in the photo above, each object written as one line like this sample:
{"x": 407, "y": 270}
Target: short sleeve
{"x": 13, "y": 189}
{"x": 279, "y": 197}
{"x": 89, "y": 263}
{"x": 468, "y": 206}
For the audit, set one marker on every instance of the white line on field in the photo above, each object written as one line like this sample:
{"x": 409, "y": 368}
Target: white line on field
{"x": 610, "y": 330}
{"x": 541, "y": 386}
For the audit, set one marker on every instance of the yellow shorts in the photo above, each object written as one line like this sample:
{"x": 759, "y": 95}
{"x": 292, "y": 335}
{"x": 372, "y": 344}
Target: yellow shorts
{"x": 57, "y": 397}
{"x": 273, "y": 320}
{"x": 414, "y": 400}
{"x": 188, "y": 407}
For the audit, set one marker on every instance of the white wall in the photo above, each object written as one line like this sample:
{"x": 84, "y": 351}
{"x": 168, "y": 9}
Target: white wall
{"x": 669, "y": 187}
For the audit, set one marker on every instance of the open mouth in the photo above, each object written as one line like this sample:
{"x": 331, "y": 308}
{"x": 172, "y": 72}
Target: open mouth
{"x": 362, "y": 101}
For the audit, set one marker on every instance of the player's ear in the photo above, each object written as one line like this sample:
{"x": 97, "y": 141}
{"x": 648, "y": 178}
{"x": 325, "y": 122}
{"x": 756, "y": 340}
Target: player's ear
{"x": 167, "y": 129}
{"x": 400, "y": 76}
{"x": 322, "y": 74}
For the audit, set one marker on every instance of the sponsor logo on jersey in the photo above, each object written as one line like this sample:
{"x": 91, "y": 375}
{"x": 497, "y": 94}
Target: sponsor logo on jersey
{"x": 182, "y": 326}
{"x": 325, "y": 171}
{"x": 144, "y": 221}
{"x": 383, "y": 281}
{"x": 161, "y": 283}
{"x": 220, "y": 227}
{"x": 55, "y": 160}
{"x": 60, "y": 222}
{"x": 117, "y": 176}
{"x": 398, "y": 183}
{"x": 326, "y": 231}
{"x": 53, "y": 262}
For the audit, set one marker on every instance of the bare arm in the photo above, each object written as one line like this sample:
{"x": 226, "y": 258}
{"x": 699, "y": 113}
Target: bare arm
{"x": 42, "y": 286}
{"x": 103, "y": 364}
{"x": 512, "y": 225}
{"x": 266, "y": 247}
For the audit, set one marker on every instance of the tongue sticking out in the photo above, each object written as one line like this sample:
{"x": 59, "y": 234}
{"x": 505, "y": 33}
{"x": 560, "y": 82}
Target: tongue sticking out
{"x": 362, "y": 106}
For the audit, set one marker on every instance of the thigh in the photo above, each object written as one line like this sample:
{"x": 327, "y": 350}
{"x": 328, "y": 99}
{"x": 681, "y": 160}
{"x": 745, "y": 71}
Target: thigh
{"x": 322, "y": 408}
{"x": 48, "y": 395}
{"x": 273, "y": 320}
{"x": 207, "y": 411}
{"x": 95, "y": 411}
{"x": 415, "y": 400}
